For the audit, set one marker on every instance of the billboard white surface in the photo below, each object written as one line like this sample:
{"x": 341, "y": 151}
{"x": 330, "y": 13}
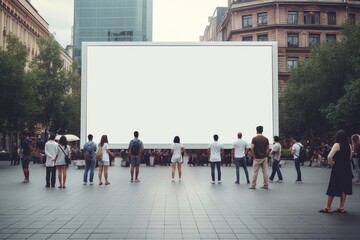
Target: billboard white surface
{"x": 192, "y": 90}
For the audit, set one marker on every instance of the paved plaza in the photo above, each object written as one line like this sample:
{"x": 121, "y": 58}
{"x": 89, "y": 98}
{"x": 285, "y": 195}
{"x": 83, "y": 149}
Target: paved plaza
{"x": 157, "y": 208}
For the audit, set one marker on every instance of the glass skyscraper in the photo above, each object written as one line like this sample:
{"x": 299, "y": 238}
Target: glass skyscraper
{"x": 111, "y": 21}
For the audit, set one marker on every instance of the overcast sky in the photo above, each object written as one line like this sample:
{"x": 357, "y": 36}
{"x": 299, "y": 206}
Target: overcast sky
{"x": 173, "y": 20}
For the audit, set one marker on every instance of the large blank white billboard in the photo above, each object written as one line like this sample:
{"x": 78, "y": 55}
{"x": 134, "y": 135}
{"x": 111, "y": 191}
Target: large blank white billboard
{"x": 192, "y": 90}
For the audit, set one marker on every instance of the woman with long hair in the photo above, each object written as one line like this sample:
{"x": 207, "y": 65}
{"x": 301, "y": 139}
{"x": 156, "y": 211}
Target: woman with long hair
{"x": 62, "y": 151}
{"x": 340, "y": 183}
{"x": 104, "y": 163}
{"x": 176, "y": 150}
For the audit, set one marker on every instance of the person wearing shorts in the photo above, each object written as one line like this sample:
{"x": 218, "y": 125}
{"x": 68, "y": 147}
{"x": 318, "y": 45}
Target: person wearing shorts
{"x": 176, "y": 150}
{"x": 104, "y": 163}
{"x": 136, "y": 147}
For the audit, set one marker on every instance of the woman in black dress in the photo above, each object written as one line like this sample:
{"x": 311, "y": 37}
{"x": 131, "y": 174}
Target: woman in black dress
{"x": 340, "y": 183}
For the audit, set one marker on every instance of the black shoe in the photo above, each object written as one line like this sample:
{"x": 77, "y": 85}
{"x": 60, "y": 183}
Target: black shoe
{"x": 52, "y": 185}
{"x": 47, "y": 186}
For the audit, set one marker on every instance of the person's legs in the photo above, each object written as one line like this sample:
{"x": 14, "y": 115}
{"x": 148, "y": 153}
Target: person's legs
{"x": 25, "y": 167}
{"x": 212, "y": 165}
{"x": 264, "y": 166}
{"x": 92, "y": 169}
{"x": 329, "y": 202}
{"x": 86, "y": 171}
{"x": 101, "y": 167}
{"x": 60, "y": 176}
{"x": 64, "y": 174}
{"x": 47, "y": 177}
{"x": 244, "y": 166}
{"x": 173, "y": 166}
{"x": 298, "y": 171}
{"x": 179, "y": 169}
{"x": 256, "y": 167}
{"x": 218, "y": 166}
{"x": 106, "y": 174}
{"x": 237, "y": 166}
{"x": 342, "y": 201}
{"x": 274, "y": 165}
{"x": 53, "y": 176}
{"x": 137, "y": 164}
{"x": 277, "y": 169}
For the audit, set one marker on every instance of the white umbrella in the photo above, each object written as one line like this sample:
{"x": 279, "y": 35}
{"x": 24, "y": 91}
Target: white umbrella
{"x": 69, "y": 137}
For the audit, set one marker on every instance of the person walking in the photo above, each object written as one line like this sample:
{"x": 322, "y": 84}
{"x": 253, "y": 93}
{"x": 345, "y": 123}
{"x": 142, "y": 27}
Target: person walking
{"x": 104, "y": 163}
{"x": 295, "y": 151}
{"x": 176, "y": 159}
{"x": 260, "y": 150}
{"x": 275, "y": 153}
{"x": 238, "y": 156}
{"x": 136, "y": 148}
{"x": 90, "y": 160}
{"x": 215, "y": 151}
{"x": 63, "y": 151}
{"x": 340, "y": 183}
{"x": 51, "y": 148}
{"x": 26, "y": 149}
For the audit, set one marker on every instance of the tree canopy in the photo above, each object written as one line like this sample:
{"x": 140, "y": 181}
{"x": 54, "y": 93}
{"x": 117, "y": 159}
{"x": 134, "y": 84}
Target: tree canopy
{"x": 320, "y": 96}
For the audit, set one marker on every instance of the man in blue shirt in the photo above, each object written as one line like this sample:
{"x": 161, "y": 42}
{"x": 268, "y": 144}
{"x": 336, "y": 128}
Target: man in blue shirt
{"x": 90, "y": 158}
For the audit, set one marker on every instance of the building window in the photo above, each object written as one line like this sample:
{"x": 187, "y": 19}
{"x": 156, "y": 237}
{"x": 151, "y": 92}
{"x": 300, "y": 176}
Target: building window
{"x": 247, "y": 39}
{"x": 247, "y": 21}
{"x": 311, "y": 18}
{"x": 351, "y": 17}
{"x": 292, "y": 62}
{"x": 262, "y": 38}
{"x": 262, "y": 19}
{"x": 314, "y": 39}
{"x": 331, "y": 18}
{"x": 293, "y": 39}
{"x": 330, "y": 37}
{"x": 292, "y": 17}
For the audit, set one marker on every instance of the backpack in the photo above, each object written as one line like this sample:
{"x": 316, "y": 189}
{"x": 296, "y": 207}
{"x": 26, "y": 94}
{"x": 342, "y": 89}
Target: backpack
{"x": 135, "y": 147}
{"x": 302, "y": 154}
{"x": 88, "y": 152}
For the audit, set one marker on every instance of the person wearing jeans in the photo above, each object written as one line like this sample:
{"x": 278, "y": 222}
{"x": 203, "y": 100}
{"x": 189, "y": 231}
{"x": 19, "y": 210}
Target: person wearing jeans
{"x": 215, "y": 151}
{"x": 295, "y": 151}
{"x": 276, "y": 153}
{"x": 238, "y": 153}
{"x": 90, "y": 160}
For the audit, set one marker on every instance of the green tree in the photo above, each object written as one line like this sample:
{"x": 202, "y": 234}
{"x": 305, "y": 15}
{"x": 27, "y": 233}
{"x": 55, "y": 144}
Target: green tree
{"x": 53, "y": 84}
{"x": 317, "y": 84}
{"x": 17, "y": 95}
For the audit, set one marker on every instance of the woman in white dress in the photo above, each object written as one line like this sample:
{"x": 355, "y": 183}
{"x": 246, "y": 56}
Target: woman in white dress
{"x": 176, "y": 150}
{"x": 62, "y": 150}
{"x": 104, "y": 163}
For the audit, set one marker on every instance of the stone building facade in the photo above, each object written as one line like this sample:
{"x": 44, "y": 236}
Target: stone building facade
{"x": 296, "y": 25}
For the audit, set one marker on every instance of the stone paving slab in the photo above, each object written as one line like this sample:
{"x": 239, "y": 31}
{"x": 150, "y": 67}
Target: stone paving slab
{"x": 157, "y": 208}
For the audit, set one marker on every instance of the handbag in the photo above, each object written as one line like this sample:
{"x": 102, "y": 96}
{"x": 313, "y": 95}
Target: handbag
{"x": 99, "y": 155}
{"x": 67, "y": 159}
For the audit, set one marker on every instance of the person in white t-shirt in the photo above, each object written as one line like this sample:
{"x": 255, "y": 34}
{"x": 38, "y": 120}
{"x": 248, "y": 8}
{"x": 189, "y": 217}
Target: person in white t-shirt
{"x": 176, "y": 150}
{"x": 238, "y": 156}
{"x": 104, "y": 163}
{"x": 215, "y": 151}
{"x": 295, "y": 151}
{"x": 50, "y": 153}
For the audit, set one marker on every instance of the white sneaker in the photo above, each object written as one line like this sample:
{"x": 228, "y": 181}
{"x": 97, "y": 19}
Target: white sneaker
{"x": 298, "y": 181}
{"x": 84, "y": 183}
{"x": 91, "y": 183}
{"x": 271, "y": 181}
{"x": 212, "y": 182}
{"x": 179, "y": 180}
{"x": 279, "y": 181}
{"x": 219, "y": 182}
{"x": 172, "y": 180}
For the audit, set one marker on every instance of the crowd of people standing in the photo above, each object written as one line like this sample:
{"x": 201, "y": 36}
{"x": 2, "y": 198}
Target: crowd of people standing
{"x": 341, "y": 157}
